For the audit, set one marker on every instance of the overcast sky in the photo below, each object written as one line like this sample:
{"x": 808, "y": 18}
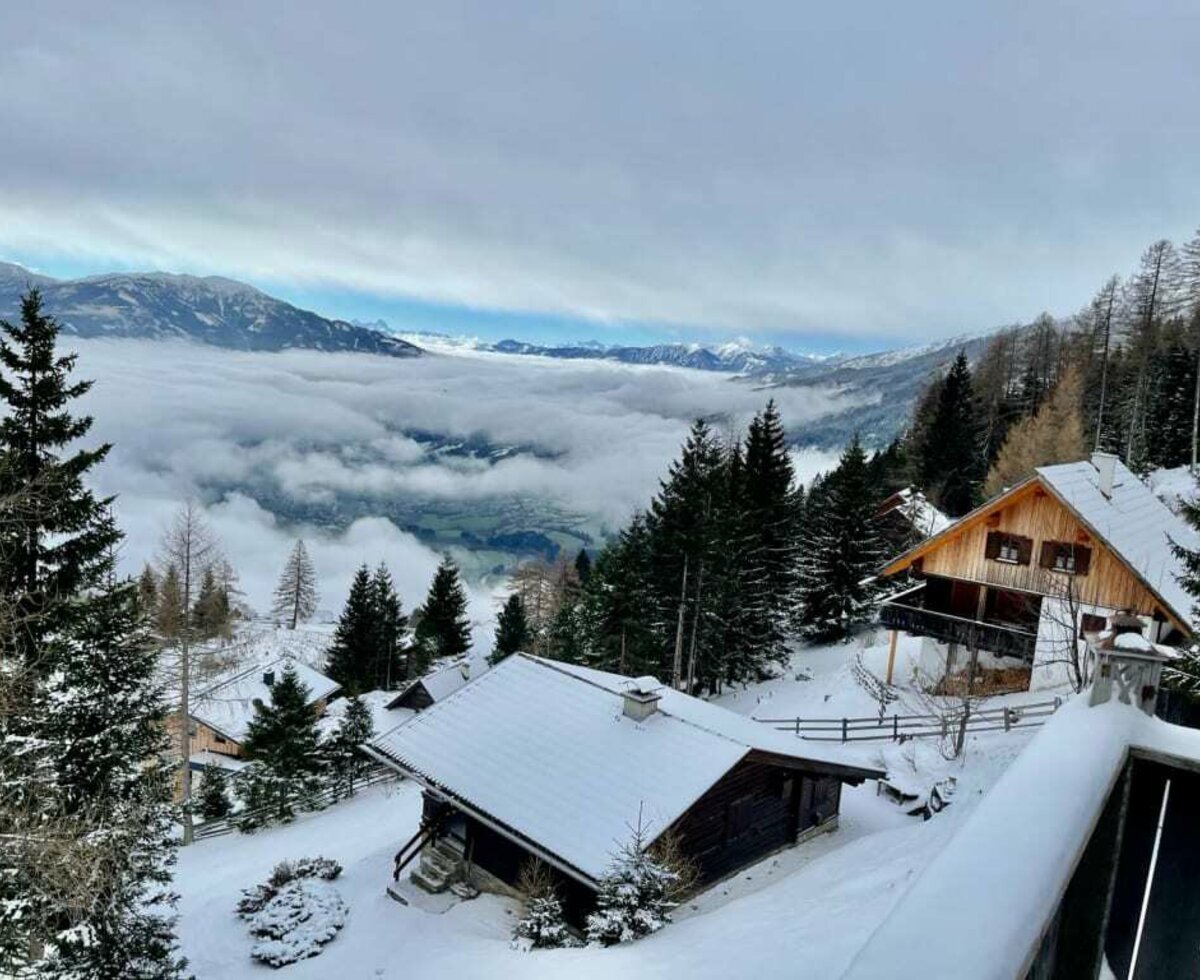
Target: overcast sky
{"x": 826, "y": 175}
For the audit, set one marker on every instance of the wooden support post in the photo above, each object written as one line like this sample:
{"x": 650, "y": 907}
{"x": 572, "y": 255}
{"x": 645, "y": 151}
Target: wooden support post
{"x": 844, "y": 729}
{"x": 891, "y": 656}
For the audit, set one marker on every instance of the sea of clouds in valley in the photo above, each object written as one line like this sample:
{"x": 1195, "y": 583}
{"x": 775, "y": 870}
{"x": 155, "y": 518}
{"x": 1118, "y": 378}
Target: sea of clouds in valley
{"x": 311, "y": 428}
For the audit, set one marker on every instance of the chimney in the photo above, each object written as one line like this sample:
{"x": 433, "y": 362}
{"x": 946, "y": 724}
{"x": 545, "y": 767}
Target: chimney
{"x": 1106, "y": 468}
{"x": 641, "y": 698}
{"x": 269, "y": 677}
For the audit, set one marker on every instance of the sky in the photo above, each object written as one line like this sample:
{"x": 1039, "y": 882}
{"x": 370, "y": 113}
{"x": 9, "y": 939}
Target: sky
{"x": 826, "y": 176}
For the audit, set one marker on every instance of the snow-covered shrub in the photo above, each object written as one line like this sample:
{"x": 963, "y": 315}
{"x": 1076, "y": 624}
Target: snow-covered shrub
{"x": 634, "y": 899}
{"x": 543, "y": 925}
{"x": 254, "y": 899}
{"x": 303, "y": 916}
{"x": 295, "y": 911}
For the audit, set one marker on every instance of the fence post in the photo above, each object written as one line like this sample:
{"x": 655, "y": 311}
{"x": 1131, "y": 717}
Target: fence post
{"x": 895, "y": 728}
{"x": 844, "y": 726}
{"x": 797, "y": 727}
{"x": 1007, "y": 723}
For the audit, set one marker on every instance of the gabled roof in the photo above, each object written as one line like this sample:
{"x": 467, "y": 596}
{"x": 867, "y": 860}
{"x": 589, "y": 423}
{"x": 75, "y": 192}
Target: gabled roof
{"x": 228, "y": 706}
{"x": 1135, "y": 525}
{"x": 544, "y": 752}
{"x": 439, "y": 685}
{"x": 915, "y": 508}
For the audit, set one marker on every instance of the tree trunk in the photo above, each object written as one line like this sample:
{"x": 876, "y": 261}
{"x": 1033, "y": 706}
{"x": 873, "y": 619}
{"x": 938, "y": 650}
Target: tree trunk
{"x": 185, "y": 727}
{"x": 677, "y": 664}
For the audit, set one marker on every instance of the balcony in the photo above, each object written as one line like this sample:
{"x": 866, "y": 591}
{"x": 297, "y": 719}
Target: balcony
{"x": 907, "y": 611}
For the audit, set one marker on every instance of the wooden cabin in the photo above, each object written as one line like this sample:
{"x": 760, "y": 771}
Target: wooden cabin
{"x": 1013, "y": 586}
{"x": 432, "y": 688}
{"x": 538, "y": 759}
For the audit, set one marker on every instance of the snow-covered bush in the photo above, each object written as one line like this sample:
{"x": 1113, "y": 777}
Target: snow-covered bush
{"x": 635, "y": 897}
{"x": 295, "y": 911}
{"x": 543, "y": 925}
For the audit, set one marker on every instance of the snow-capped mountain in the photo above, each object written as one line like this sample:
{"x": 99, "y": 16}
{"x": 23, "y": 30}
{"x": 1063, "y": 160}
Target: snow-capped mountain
{"x": 209, "y": 309}
{"x": 737, "y": 357}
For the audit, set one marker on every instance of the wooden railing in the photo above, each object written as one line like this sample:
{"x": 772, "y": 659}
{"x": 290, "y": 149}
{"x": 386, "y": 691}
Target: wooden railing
{"x": 905, "y": 613}
{"x": 900, "y": 728}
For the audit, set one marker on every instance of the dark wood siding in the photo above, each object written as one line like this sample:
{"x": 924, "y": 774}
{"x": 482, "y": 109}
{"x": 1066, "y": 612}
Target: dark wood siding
{"x": 416, "y": 698}
{"x": 753, "y": 810}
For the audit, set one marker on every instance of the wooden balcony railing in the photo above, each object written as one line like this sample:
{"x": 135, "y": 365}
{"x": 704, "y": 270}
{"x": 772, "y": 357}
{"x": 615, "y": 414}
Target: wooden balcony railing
{"x": 907, "y": 612}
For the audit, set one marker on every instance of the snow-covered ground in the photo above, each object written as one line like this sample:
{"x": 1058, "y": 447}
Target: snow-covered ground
{"x": 802, "y": 913}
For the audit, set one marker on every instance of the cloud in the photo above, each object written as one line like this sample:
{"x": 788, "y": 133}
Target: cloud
{"x": 265, "y": 431}
{"x": 845, "y": 168}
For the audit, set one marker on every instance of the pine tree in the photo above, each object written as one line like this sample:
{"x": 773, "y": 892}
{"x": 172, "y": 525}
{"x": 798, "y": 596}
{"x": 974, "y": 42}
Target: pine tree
{"x": 345, "y": 761}
{"x": 1183, "y": 673}
{"x": 618, "y": 605}
{"x": 168, "y": 617}
{"x": 214, "y": 802}
{"x": 57, "y": 534}
{"x": 148, "y": 590}
{"x": 841, "y": 550}
{"x": 444, "y": 630}
{"x": 211, "y": 613}
{"x": 634, "y": 898}
{"x": 351, "y": 654}
{"x": 282, "y": 742}
{"x": 296, "y": 593}
{"x": 389, "y": 624}
{"x": 583, "y": 566}
{"x": 1053, "y": 435}
{"x": 512, "y": 630}
{"x": 947, "y": 454}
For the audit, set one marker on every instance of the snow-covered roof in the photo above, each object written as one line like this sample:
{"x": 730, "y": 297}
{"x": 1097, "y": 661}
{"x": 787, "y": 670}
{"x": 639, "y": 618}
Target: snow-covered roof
{"x": 917, "y": 510}
{"x": 1132, "y": 521}
{"x": 228, "y": 707}
{"x": 440, "y": 684}
{"x": 545, "y": 750}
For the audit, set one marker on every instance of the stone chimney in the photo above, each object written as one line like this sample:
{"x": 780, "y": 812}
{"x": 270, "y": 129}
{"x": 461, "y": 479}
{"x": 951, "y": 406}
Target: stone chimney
{"x": 1127, "y": 665}
{"x": 1106, "y": 470}
{"x": 641, "y": 698}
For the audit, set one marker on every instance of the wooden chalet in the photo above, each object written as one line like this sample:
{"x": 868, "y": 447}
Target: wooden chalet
{"x": 538, "y": 759}
{"x": 221, "y": 713}
{"x": 1025, "y": 575}
{"x": 432, "y": 688}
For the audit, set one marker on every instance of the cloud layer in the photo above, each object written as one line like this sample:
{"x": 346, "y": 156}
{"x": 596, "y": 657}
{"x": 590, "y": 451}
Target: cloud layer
{"x": 586, "y": 438}
{"x": 860, "y": 169}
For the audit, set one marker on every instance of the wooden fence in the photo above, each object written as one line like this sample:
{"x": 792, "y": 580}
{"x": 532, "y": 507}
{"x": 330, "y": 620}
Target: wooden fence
{"x": 900, "y": 728}
{"x": 227, "y": 825}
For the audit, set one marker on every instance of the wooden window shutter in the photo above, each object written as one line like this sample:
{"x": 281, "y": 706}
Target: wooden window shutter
{"x": 1049, "y": 551}
{"x": 992, "y": 548}
{"x": 1083, "y": 559}
{"x": 1024, "y": 550}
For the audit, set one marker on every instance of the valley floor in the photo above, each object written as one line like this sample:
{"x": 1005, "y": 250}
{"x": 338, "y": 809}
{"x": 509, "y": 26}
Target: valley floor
{"x": 803, "y": 913}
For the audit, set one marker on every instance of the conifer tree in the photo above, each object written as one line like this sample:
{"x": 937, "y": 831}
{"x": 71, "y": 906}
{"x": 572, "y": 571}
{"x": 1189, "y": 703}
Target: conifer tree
{"x": 444, "y": 630}
{"x": 512, "y": 629}
{"x": 296, "y": 593}
{"x": 282, "y": 742}
{"x": 949, "y": 457}
{"x": 54, "y": 544}
{"x": 390, "y": 624}
{"x": 148, "y": 590}
{"x": 841, "y": 551}
{"x": 635, "y": 895}
{"x": 168, "y": 617}
{"x": 214, "y": 802}
{"x": 583, "y": 566}
{"x": 211, "y": 613}
{"x": 618, "y": 605}
{"x": 351, "y": 654}
{"x": 1053, "y": 435}
{"x": 345, "y": 761}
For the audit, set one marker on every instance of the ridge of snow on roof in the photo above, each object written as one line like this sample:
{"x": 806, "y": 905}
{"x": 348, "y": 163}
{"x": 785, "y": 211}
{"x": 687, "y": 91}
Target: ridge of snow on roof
{"x": 1134, "y": 522}
{"x": 547, "y": 751}
{"x": 228, "y": 706}
{"x": 441, "y": 683}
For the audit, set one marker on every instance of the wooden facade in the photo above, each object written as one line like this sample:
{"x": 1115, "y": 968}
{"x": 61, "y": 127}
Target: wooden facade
{"x": 1037, "y": 524}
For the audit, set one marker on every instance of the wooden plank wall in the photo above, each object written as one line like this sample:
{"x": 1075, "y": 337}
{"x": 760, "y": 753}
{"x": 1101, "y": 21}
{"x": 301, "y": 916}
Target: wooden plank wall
{"x": 1039, "y": 516}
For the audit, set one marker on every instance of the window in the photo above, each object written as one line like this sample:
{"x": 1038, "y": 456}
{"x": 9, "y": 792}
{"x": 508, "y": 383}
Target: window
{"x": 219, "y": 739}
{"x": 1011, "y": 549}
{"x": 1062, "y": 556}
{"x": 1089, "y": 623}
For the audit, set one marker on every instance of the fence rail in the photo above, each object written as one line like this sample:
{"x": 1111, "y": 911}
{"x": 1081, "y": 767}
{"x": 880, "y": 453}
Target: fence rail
{"x": 900, "y": 728}
{"x": 227, "y": 825}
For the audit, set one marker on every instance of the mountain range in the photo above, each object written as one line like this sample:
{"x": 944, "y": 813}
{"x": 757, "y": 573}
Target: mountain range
{"x": 209, "y": 310}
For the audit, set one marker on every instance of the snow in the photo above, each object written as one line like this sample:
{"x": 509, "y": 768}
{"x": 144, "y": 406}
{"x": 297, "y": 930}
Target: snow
{"x": 1173, "y": 486}
{"x": 546, "y": 750}
{"x": 802, "y": 914}
{"x": 920, "y": 513}
{"x": 440, "y": 684}
{"x": 1134, "y": 522}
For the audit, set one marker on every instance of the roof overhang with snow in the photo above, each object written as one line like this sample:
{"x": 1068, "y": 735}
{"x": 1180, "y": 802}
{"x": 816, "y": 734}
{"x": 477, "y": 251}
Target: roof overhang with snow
{"x": 543, "y": 753}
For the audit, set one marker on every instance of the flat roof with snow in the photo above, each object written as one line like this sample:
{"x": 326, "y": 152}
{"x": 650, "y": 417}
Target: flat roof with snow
{"x": 545, "y": 750}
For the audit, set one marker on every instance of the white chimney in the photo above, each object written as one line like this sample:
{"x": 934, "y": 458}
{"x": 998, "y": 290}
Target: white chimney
{"x": 1106, "y": 469}
{"x": 641, "y": 698}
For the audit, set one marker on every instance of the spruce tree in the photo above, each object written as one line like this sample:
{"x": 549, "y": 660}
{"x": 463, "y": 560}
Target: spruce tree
{"x": 390, "y": 624}
{"x": 351, "y": 654}
{"x": 283, "y": 744}
{"x": 148, "y": 590}
{"x": 296, "y": 594}
{"x": 57, "y": 534}
{"x": 168, "y": 616}
{"x": 444, "y": 630}
{"x": 214, "y": 802}
{"x": 947, "y": 454}
{"x": 512, "y": 630}
{"x": 841, "y": 550}
{"x": 345, "y": 762}
{"x": 583, "y": 566}
{"x": 211, "y": 613}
